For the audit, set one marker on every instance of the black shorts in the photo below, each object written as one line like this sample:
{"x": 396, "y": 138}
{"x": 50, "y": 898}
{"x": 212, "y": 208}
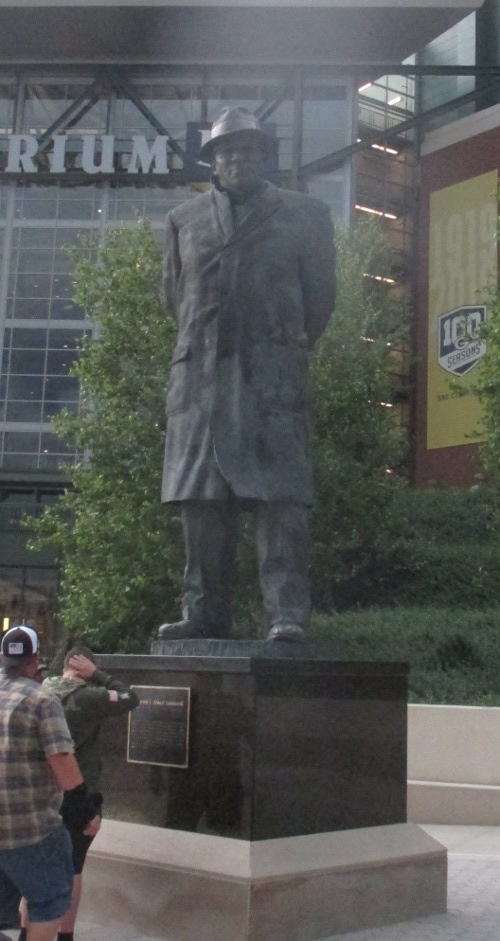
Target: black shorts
{"x": 79, "y": 844}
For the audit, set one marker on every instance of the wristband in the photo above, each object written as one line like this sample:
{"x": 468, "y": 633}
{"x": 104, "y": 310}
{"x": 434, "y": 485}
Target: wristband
{"x": 77, "y": 808}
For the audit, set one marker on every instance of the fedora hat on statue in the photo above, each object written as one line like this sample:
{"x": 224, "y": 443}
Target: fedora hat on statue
{"x": 235, "y": 121}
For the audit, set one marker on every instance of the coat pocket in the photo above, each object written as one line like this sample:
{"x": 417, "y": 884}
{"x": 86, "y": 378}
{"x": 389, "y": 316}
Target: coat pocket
{"x": 178, "y": 386}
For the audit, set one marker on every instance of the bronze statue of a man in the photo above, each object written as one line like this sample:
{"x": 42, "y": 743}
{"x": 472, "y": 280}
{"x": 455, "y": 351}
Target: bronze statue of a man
{"x": 250, "y": 281}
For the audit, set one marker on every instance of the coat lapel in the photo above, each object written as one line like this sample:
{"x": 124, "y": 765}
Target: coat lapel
{"x": 264, "y": 206}
{"x": 222, "y": 209}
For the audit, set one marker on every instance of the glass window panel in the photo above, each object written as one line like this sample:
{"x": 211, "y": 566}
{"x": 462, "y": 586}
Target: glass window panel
{"x": 63, "y": 264}
{"x": 26, "y": 362}
{"x": 32, "y": 309}
{"x": 65, "y": 339}
{"x": 7, "y": 99}
{"x": 228, "y": 95}
{"x": 32, "y": 190}
{"x": 36, "y": 238}
{"x": 66, "y": 236}
{"x": 325, "y": 117}
{"x": 5, "y": 360}
{"x": 61, "y": 389}
{"x": 128, "y": 117}
{"x": 19, "y": 441}
{"x": 33, "y": 285}
{"x": 28, "y": 339}
{"x": 20, "y": 462}
{"x": 39, "y": 601}
{"x": 53, "y": 408}
{"x": 25, "y": 387}
{"x": 153, "y": 202}
{"x": 4, "y": 191}
{"x": 36, "y": 209}
{"x": 53, "y": 444}
{"x": 50, "y": 201}
{"x": 332, "y": 191}
{"x": 62, "y": 286}
{"x": 53, "y": 461}
{"x": 173, "y": 104}
{"x": 24, "y": 411}
{"x": 78, "y": 209}
{"x": 45, "y": 102}
{"x": 64, "y": 309}
{"x": 37, "y": 261}
{"x": 3, "y": 387}
{"x": 59, "y": 362}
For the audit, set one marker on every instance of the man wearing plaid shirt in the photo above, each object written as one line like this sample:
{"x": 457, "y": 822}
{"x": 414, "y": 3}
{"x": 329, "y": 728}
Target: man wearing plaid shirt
{"x": 36, "y": 756}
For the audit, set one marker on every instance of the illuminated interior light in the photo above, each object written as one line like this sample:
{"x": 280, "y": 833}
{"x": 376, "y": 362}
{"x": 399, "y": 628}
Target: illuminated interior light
{"x": 364, "y": 87}
{"x": 375, "y": 212}
{"x": 386, "y": 150}
{"x": 394, "y": 101}
{"x": 379, "y": 277}
{"x": 5, "y": 625}
{"x": 386, "y": 404}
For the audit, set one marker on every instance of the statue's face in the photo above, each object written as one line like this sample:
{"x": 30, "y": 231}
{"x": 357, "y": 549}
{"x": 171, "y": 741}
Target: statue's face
{"x": 240, "y": 163}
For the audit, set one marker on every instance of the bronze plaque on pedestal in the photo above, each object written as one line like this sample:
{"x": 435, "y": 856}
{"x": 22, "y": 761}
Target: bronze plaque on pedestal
{"x": 158, "y": 730}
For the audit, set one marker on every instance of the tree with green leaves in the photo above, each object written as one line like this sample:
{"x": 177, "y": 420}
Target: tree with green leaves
{"x": 487, "y": 388}
{"x": 358, "y": 446}
{"x": 119, "y": 547}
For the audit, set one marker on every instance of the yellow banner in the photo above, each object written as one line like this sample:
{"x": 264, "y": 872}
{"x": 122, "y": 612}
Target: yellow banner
{"x": 462, "y": 265}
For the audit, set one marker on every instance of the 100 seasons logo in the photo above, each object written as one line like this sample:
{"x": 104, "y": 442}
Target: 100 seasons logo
{"x": 460, "y": 346}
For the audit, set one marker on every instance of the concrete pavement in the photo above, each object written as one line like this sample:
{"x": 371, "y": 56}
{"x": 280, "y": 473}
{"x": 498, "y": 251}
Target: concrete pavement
{"x": 473, "y": 897}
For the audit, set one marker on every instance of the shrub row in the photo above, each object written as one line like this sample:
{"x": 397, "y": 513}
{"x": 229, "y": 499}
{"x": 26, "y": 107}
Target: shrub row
{"x": 453, "y": 654}
{"x": 436, "y": 547}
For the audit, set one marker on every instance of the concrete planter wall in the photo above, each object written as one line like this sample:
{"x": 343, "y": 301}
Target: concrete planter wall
{"x": 454, "y": 765}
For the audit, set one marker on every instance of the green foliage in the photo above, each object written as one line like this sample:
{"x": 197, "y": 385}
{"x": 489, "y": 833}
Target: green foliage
{"x": 120, "y": 548}
{"x": 357, "y": 447}
{"x": 453, "y": 654}
{"x": 448, "y": 552}
{"x": 487, "y": 388}
{"x": 434, "y": 547}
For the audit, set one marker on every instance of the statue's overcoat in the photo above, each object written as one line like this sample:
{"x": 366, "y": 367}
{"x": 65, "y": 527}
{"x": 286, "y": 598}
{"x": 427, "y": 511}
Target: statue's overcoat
{"x": 250, "y": 298}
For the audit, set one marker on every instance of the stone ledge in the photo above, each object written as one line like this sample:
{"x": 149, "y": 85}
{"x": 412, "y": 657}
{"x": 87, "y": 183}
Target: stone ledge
{"x": 449, "y": 803}
{"x": 263, "y": 859}
{"x": 179, "y": 886}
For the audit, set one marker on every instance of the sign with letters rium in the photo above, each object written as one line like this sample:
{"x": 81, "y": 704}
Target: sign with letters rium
{"x": 20, "y": 153}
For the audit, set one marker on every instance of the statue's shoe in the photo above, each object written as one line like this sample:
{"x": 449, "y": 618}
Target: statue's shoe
{"x": 187, "y": 630}
{"x": 288, "y": 632}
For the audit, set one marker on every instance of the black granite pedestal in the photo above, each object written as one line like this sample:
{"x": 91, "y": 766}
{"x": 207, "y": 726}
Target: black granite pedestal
{"x": 284, "y": 741}
{"x": 289, "y": 821}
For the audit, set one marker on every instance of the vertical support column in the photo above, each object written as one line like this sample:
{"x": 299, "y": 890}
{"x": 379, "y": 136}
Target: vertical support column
{"x": 297, "y": 129}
